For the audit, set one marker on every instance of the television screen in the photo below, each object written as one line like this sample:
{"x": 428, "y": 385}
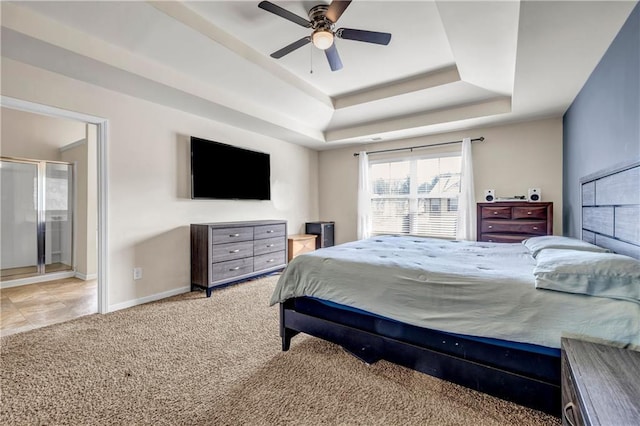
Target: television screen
{"x": 221, "y": 171}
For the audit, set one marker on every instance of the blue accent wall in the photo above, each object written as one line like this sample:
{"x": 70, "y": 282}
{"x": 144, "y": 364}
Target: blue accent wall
{"x": 601, "y": 128}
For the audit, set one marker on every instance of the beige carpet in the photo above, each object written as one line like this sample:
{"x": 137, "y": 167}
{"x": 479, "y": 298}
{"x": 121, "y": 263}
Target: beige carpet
{"x": 189, "y": 360}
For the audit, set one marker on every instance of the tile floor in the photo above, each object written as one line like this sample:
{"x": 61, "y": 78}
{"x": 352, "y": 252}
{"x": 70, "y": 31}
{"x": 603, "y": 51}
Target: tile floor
{"x": 36, "y": 305}
{"x": 30, "y": 271}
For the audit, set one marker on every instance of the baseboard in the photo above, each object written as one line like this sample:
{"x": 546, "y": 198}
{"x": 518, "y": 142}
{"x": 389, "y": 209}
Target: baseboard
{"x": 147, "y": 299}
{"x": 37, "y": 279}
{"x": 86, "y": 277}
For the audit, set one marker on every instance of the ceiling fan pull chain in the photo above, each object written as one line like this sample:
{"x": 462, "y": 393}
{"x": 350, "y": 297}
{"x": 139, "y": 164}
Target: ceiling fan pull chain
{"x": 311, "y": 59}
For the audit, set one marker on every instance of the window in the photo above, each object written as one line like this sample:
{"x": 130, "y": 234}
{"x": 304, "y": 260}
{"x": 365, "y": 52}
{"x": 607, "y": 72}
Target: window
{"x": 415, "y": 196}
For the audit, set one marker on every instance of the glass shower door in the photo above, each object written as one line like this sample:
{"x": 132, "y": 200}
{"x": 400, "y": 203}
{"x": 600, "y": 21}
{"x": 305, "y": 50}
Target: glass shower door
{"x": 19, "y": 219}
{"x": 58, "y": 221}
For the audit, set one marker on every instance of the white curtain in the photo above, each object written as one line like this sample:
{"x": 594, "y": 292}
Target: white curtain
{"x": 364, "y": 197}
{"x": 466, "y": 224}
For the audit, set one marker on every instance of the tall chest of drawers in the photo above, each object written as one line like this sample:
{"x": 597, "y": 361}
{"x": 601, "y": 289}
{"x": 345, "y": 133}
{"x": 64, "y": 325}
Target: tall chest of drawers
{"x": 224, "y": 253}
{"x": 513, "y": 222}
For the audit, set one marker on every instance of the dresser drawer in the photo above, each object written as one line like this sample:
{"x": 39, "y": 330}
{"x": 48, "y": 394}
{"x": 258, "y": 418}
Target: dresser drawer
{"x": 496, "y": 212}
{"x": 503, "y": 238}
{"x": 513, "y": 221}
{"x": 268, "y": 231}
{"x": 599, "y": 384}
{"x": 268, "y": 245}
{"x": 230, "y": 251}
{"x": 232, "y": 268}
{"x": 571, "y": 414}
{"x": 265, "y": 261}
{"x": 535, "y": 227}
{"x": 231, "y": 235}
{"x": 538, "y": 212}
{"x": 226, "y": 252}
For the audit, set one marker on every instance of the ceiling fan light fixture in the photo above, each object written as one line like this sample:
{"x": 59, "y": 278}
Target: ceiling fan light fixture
{"x": 322, "y": 39}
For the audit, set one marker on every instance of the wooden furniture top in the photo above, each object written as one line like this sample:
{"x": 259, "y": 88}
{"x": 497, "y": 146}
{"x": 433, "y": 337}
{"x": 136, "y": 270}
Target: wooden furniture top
{"x": 297, "y": 237}
{"x": 607, "y": 382}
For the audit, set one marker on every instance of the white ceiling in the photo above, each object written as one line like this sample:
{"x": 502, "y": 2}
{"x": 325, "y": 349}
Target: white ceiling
{"x": 450, "y": 65}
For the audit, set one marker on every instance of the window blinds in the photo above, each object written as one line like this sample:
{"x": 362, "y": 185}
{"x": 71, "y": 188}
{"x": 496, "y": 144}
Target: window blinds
{"x": 416, "y": 196}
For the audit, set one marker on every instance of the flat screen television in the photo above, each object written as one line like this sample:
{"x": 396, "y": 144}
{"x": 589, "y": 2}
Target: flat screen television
{"x": 225, "y": 172}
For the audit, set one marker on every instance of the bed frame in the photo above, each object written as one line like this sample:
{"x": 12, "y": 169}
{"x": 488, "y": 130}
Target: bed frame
{"x": 610, "y": 218}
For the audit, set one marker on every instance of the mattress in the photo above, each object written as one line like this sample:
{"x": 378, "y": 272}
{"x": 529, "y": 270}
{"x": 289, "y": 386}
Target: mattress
{"x": 482, "y": 290}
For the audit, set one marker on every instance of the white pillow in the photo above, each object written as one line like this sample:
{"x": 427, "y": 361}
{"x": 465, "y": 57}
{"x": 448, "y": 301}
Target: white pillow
{"x": 537, "y": 244}
{"x": 585, "y": 272}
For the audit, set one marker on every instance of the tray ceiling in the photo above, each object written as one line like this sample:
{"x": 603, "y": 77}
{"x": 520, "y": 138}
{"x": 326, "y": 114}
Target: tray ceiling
{"x": 450, "y": 65}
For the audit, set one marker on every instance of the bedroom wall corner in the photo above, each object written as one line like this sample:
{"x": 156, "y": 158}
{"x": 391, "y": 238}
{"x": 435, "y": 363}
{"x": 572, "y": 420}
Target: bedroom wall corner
{"x": 512, "y": 159}
{"x": 602, "y": 125}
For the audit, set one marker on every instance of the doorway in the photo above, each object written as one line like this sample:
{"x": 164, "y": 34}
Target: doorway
{"x": 101, "y": 131}
{"x": 37, "y": 215}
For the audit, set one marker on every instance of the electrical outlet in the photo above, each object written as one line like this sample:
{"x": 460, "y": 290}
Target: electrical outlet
{"x": 137, "y": 273}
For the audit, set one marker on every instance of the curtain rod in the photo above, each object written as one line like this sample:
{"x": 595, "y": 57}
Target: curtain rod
{"x": 411, "y": 148}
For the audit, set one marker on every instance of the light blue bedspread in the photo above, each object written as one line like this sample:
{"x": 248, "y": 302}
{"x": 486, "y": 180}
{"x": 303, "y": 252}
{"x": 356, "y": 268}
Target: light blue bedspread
{"x": 477, "y": 289}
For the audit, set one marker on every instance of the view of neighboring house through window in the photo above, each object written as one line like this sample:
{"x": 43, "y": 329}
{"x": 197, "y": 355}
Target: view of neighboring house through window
{"x": 415, "y": 196}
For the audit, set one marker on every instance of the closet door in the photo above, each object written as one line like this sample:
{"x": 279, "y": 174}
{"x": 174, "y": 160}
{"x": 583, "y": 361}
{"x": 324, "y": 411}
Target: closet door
{"x": 19, "y": 219}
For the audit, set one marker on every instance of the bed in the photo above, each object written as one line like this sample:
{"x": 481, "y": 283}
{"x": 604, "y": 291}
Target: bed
{"x": 483, "y": 315}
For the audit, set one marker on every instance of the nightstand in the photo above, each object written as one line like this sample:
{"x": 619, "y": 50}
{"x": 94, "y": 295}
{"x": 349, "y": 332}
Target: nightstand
{"x": 600, "y": 384}
{"x": 301, "y": 243}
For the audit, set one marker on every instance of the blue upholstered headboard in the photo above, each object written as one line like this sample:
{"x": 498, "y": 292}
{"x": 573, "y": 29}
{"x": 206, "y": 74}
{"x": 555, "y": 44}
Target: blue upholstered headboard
{"x": 611, "y": 209}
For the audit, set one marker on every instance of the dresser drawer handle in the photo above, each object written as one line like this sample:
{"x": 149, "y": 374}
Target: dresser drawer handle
{"x": 567, "y": 407}
{"x": 234, "y": 251}
{"x": 528, "y": 212}
{"x": 270, "y": 231}
{"x": 270, "y": 245}
{"x": 495, "y": 212}
{"x": 535, "y": 228}
{"x": 235, "y": 269}
{"x": 234, "y": 235}
{"x": 490, "y": 241}
{"x": 490, "y": 226}
{"x": 271, "y": 260}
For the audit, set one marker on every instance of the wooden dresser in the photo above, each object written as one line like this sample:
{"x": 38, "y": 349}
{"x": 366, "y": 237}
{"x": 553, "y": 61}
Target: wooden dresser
{"x": 223, "y": 253}
{"x": 600, "y": 384}
{"x": 512, "y": 222}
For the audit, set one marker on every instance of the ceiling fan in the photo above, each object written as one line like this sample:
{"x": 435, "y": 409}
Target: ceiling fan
{"x": 322, "y": 19}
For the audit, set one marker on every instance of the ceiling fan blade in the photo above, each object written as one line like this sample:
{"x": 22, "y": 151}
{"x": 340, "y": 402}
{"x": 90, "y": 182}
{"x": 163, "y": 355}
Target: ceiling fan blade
{"x": 290, "y": 48}
{"x": 284, "y": 13}
{"x": 363, "y": 35}
{"x": 336, "y": 9}
{"x": 334, "y": 59}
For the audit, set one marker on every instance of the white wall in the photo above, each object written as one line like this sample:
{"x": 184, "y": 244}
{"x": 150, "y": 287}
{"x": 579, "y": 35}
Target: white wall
{"x": 512, "y": 159}
{"x": 35, "y": 136}
{"x": 83, "y": 155}
{"x": 92, "y": 201}
{"x": 149, "y": 208}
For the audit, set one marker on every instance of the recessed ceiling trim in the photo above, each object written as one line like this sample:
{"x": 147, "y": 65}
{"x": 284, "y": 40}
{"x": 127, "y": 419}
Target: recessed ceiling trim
{"x": 540, "y": 53}
{"x": 36, "y": 40}
{"x": 28, "y": 50}
{"x": 400, "y": 87}
{"x": 192, "y": 19}
{"x": 483, "y": 37}
{"x": 490, "y": 107}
